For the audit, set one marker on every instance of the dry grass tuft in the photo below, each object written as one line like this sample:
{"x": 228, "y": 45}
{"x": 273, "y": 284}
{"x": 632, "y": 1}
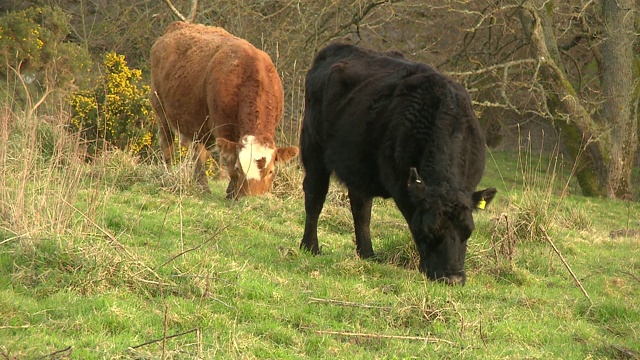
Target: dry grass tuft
{"x": 288, "y": 181}
{"x": 42, "y": 167}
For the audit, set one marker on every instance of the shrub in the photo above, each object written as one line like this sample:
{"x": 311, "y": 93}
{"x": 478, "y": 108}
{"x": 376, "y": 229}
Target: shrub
{"x": 34, "y": 46}
{"x": 116, "y": 112}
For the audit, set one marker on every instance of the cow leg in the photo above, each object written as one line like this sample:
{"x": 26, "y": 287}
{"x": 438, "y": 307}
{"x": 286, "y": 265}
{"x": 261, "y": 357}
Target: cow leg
{"x": 361, "y": 211}
{"x": 315, "y": 186}
{"x": 200, "y": 156}
{"x": 165, "y": 132}
{"x": 232, "y": 190}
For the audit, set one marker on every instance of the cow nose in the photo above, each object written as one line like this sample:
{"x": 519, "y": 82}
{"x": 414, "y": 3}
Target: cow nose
{"x": 455, "y": 279}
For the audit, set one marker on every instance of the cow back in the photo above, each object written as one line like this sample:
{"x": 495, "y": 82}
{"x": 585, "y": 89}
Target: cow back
{"x": 391, "y": 114}
{"x": 390, "y": 127}
{"x": 211, "y": 82}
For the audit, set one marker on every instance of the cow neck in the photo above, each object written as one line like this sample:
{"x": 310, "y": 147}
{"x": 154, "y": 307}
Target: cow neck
{"x": 259, "y": 110}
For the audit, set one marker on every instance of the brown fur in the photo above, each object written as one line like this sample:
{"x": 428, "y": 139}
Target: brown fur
{"x": 208, "y": 84}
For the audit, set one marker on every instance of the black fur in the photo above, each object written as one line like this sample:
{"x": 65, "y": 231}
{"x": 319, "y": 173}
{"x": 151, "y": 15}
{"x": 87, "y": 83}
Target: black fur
{"x": 371, "y": 118}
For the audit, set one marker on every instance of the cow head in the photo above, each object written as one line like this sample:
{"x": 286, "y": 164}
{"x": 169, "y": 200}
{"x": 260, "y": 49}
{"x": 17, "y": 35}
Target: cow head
{"x": 441, "y": 226}
{"x": 251, "y": 164}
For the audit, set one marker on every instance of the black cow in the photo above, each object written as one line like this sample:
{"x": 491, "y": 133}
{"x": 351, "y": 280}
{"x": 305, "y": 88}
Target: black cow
{"x": 390, "y": 127}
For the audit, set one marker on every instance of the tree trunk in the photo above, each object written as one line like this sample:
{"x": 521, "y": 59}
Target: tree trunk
{"x": 619, "y": 107}
{"x": 577, "y": 126}
{"x": 604, "y": 151}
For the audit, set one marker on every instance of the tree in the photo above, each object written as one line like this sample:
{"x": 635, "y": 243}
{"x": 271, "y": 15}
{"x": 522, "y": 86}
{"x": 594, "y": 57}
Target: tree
{"x": 35, "y": 53}
{"x": 608, "y": 137}
{"x": 566, "y": 65}
{"x": 570, "y": 63}
{"x": 621, "y": 92}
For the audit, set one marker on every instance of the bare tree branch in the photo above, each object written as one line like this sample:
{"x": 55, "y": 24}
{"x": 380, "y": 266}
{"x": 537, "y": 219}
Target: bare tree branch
{"x": 192, "y": 13}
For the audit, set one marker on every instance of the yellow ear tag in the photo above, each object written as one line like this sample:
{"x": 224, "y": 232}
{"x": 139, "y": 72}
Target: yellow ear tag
{"x": 482, "y": 204}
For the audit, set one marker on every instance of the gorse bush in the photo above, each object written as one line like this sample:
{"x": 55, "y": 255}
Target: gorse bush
{"x": 116, "y": 112}
{"x": 21, "y": 38}
{"x": 33, "y": 44}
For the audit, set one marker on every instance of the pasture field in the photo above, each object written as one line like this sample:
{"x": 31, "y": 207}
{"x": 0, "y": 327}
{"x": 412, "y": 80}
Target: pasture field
{"x": 117, "y": 259}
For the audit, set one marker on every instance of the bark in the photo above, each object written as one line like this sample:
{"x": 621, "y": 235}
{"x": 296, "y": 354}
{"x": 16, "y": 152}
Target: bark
{"x": 618, "y": 109}
{"x": 603, "y": 147}
{"x": 576, "y": 131}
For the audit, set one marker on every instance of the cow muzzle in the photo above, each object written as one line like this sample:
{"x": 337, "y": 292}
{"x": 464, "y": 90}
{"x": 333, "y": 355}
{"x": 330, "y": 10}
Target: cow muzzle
{"x": 447, "y": 277}
{"x": 455, "y": 279}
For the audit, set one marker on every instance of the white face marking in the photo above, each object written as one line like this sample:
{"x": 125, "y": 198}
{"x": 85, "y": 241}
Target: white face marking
{"x": 251, "y": 152}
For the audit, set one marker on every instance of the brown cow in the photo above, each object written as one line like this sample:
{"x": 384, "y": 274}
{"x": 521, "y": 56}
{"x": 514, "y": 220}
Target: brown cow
{"x": 216, "y": 89}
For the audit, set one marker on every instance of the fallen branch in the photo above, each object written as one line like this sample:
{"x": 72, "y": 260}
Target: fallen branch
{"x": 548, "y": 238}
{"x": 625, "y": 353}
{"x": 114, "y": 242}
{"x": 633, "y": 276}
{"x": 12, "y": 238}
{"x": 164, "y": 338}
{"x": 192, "y": 249}
{"x": 347, "y": 303}
{"x": 15, "y": 326}
{"x": 382, "y": 336}
{"x": 66, "y": 350}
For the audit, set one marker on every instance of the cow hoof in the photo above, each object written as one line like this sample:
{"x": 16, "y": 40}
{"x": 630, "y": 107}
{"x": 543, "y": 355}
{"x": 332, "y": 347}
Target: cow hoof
{"x": 366, "y": 254}
{"x": 314, "y": 250}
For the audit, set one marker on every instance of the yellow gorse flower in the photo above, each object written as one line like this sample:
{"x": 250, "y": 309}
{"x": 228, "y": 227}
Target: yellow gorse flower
{"x": 117, "y": 110}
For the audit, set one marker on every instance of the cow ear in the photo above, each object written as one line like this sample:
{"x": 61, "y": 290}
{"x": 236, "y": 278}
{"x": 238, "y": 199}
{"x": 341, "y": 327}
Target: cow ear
{"x": 415, "y": 184}
{"x": 286, "y": 154}
{"x": 226, "y": 146}
{"x": 482, "y": 198}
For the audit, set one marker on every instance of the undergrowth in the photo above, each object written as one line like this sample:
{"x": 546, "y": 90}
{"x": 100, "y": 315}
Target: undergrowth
{"x": 123, "y": 258}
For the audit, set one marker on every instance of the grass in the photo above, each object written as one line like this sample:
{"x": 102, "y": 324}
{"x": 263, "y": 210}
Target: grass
{"x": 117, "y": 259}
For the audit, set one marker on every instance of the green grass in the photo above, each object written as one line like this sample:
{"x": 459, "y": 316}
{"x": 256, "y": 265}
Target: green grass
{"x": 132, "y": 255}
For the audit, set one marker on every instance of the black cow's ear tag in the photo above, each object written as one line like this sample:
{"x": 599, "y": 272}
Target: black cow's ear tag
{"x": 415, "y": 182}
{"x": 482, "y": 198}
{"x": 482, "y": 204}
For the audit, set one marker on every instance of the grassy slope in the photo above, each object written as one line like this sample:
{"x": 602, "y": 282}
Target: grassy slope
{"x": 152, "y": 261}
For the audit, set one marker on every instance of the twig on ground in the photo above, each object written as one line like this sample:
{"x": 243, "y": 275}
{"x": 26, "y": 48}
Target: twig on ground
{"x": 164, "y": 338}
{"x": 633, "y": 276}
{"x": 575, "y": 278}
{"x": 118, "y": 244}
{"x": 382, "y": 336}
{"x": 624, "y": 353}
{"x": 15, "y": 326}
{"x": 12, "y": 238}
{"x": 66, "y": 350}
{"x": 193, "y": 248}
{"x": 347, "y": 303}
